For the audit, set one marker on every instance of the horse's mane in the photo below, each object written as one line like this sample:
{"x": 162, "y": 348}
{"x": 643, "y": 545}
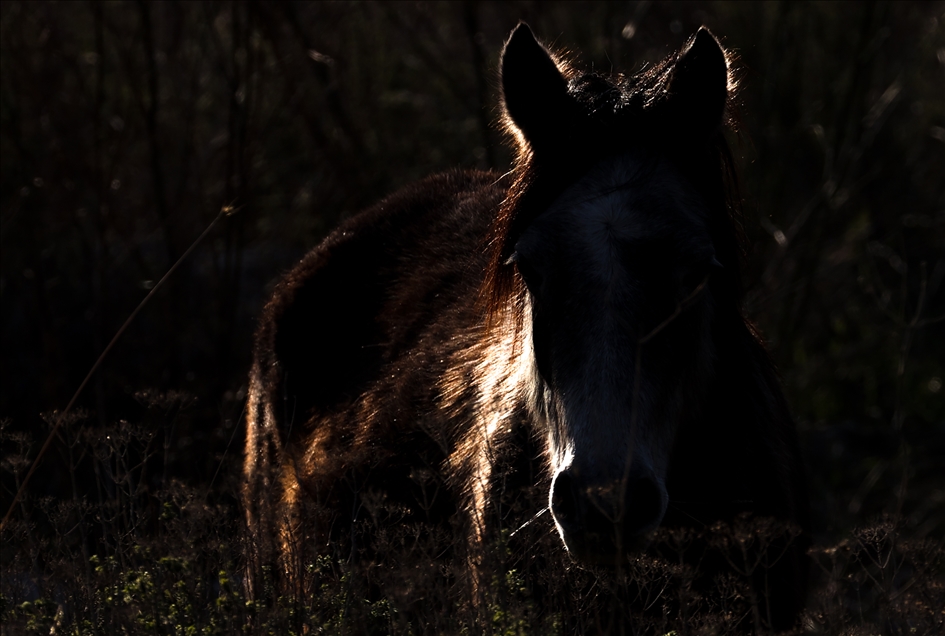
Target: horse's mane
{"x": 630, "y": 111}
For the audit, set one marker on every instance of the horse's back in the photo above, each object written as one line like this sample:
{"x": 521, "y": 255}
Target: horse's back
{"x": 373, "y": 291}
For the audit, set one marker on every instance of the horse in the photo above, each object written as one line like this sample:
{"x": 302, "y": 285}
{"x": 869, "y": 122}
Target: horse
{"x": 578, "y": 316}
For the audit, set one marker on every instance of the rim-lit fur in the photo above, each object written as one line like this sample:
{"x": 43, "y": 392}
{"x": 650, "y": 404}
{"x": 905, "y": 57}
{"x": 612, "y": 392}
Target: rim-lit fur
{"x": 591, "y": 298}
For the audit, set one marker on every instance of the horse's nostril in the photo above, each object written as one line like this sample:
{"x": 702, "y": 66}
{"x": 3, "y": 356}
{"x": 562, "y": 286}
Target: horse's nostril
{"x": 564, "y": 505}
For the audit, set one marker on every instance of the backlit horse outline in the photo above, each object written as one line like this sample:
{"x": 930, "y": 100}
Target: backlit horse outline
{"x": 590, "y": 298}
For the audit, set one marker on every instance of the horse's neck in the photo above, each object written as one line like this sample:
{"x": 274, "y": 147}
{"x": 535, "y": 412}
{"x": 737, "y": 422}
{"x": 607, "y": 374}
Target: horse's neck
{"x": 745, "y": 387}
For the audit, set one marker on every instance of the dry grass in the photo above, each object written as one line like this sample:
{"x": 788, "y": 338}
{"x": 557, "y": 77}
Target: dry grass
{"x": 145, "y": 556}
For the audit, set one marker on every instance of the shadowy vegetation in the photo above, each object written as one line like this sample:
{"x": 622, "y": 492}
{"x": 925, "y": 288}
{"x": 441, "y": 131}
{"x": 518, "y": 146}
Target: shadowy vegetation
{"x": 125, "y": 127}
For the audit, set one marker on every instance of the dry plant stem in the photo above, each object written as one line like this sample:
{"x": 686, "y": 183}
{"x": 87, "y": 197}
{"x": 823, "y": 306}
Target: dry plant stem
{"x": 225, "y": 211}
{"x": 899, "y": 414}
{"x": 236, "y": 427}
{"x": 680, "y": 307}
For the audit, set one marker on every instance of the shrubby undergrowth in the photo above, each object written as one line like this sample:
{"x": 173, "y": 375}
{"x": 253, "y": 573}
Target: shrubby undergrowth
{"x": 170, "y": 560}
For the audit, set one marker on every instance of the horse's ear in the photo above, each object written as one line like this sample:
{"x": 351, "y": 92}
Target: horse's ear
{"x": 698, "y": 86}
{"x": 534, "y": 92}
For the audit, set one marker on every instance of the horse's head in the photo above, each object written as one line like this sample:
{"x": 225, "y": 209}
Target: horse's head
{"x": 611, "y": 234}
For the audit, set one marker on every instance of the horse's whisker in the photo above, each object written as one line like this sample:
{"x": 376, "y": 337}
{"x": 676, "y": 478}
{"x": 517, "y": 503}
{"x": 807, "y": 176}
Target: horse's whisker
{"x": 528, "y": 523}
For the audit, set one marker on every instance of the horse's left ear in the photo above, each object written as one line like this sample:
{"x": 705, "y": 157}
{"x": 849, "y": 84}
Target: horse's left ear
{"x": 698, "y": 86}
{"x": 534, "y": 92}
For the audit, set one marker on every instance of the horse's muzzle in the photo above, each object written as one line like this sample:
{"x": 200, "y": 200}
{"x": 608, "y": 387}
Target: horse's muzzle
{"x": 602, "y": 521}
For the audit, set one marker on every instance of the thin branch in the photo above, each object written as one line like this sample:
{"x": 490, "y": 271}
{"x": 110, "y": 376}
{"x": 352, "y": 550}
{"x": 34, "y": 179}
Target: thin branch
{"x": 225, "y": 211}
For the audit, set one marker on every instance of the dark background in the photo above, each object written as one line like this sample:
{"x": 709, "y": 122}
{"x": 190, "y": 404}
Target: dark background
{"x": 126, "y": 126}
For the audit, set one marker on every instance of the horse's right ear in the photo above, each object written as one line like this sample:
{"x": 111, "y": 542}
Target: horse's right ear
{"x": 698, "y": 86}
{"x": 534, "y": 92}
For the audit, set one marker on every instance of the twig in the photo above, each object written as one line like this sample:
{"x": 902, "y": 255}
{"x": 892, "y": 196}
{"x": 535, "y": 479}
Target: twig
{"x": 225, "y": 211}
{"x": 236, "y": 427}
{"x": 680, "y": 307}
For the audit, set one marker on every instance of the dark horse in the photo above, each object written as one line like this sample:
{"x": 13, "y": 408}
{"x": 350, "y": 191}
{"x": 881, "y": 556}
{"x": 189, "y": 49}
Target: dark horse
{"x": 590, "y": 299}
